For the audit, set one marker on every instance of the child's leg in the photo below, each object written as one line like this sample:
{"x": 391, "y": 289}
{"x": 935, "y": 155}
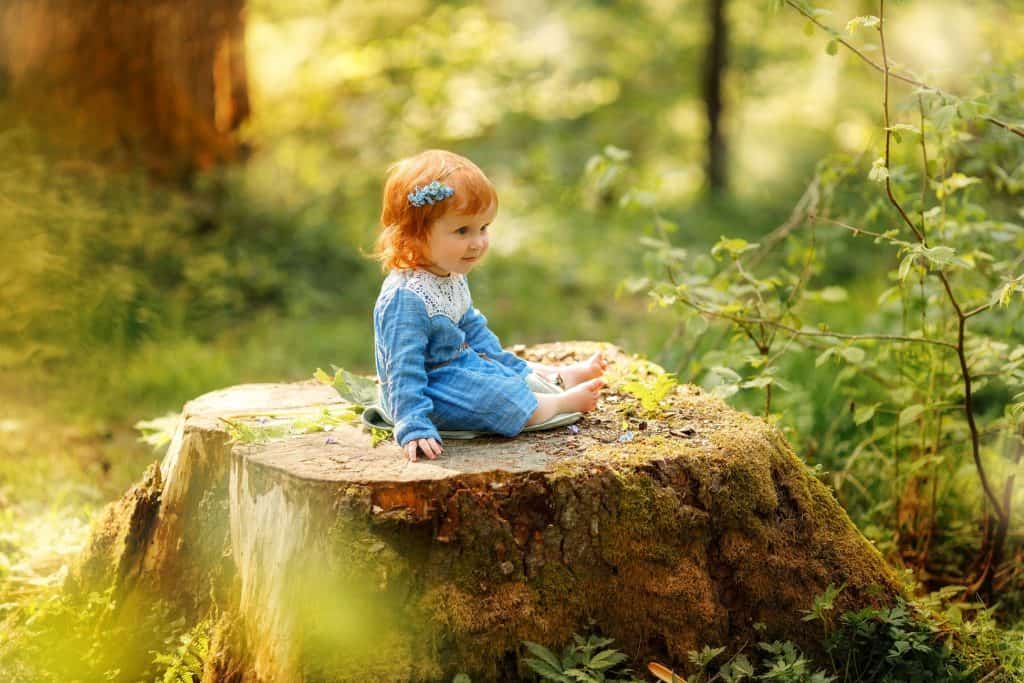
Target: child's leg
{"x": 581, "y": 398}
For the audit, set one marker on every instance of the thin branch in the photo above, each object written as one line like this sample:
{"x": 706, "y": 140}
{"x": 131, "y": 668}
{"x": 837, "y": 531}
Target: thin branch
{"x": 861, "y": 231}
{"x": 980, "y": 309}
{"x": 924, "y": 165}
{"x": 962, "y": 320}
{"x": 813, "y": 333}
{"x": 1016, "y": 130}
{"x": 806, "y": 208}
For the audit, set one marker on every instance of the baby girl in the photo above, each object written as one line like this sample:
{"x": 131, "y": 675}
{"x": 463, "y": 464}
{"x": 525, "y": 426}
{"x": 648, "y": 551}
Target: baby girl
{"x": 439, "y": 365}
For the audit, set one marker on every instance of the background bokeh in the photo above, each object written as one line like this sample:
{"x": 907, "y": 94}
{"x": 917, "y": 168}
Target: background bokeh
{"x": 126, "y": 292}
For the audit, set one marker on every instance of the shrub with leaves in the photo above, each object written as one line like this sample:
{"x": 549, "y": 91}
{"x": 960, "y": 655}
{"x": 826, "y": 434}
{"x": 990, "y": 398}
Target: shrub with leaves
{"x": 920, "y": 416}
{"x": 184, "y": 664}
{"x": 780, "y": 661}
{"x": 582, "y": 661}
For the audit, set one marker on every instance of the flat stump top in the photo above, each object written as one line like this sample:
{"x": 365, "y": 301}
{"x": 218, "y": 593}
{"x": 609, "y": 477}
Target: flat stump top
{"x": 345, "y": 453}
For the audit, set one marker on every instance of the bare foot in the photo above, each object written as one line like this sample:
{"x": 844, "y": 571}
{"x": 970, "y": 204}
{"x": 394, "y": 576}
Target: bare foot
{"x": 581, "y": 398}
{"x": 577, "y": 373}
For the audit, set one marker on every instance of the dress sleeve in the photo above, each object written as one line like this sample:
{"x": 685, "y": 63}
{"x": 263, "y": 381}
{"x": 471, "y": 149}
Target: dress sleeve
{"x": 480, "y": 338}
{"x": 403, "y": 329}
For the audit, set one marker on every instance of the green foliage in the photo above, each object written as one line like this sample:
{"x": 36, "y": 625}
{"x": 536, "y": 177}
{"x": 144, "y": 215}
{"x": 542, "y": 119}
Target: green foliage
{"x": 922, "y": 252}
{"x": 582, "y": 661}
{"x": 357, "y": 390}
{"x": 905, "y": 642}
{"x": 184, "y": 664}
{"x": 651, "y": 393}
{"x": 269, "y": 426}
{"x": 777, "y": 661}
{"x": 125, "y": 299}
{"x": 378, "y": 436}
{"x": 59, "y": 638}
{"x": 824, "y": 604}
{"x": 785, "y": 663}
{"x": 159, "y": 431}
{"x": 893, "y": 645}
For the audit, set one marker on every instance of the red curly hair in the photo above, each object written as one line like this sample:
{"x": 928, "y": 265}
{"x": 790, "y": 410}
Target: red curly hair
{"x": 404, "y": 227}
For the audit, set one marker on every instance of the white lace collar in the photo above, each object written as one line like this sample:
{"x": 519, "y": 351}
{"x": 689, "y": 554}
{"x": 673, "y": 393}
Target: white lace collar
{"x": 447, "y": 296}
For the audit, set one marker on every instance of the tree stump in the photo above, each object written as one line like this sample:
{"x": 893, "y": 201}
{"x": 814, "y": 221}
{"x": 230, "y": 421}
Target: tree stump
{"x": 336, "y": 560}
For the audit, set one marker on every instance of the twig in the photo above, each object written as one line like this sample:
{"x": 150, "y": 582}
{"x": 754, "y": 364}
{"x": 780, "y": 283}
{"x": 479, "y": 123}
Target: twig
{"x": 884, "y": 69}
{"x": 814, "y": 333}
{"x": 962, "y": 319}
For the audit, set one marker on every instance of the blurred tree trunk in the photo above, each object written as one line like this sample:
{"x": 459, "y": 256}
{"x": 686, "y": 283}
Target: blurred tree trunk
{"x": 714, "y": 72}
{"x": 161, "y": 82}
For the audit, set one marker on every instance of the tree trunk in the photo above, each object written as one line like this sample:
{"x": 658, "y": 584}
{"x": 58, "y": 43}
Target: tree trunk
{"x": 340, "y": 561}
{"x": 162, "y": 82}
{"x": 714, "y": 74}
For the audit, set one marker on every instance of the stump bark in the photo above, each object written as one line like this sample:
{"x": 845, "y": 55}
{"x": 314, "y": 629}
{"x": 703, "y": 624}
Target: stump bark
{"x": 332, "y": 559}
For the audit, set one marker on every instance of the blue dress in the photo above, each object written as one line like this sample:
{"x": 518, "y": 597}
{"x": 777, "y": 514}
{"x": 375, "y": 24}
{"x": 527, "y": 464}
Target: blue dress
{"x": 439, "y": 365}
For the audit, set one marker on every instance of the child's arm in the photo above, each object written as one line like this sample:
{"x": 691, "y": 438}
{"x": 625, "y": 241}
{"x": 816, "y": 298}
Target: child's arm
{"x": 403, "y": 330}
{"x": 480, "y": 338}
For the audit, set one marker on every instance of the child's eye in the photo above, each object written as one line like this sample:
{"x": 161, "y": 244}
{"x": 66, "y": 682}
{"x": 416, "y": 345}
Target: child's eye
{"x": 484, "y": 229}
{"x": 463, "y": 230}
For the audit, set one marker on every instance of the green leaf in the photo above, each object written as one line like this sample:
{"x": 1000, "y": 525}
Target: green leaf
{"x": 360, "y": 391}
{"x": 905, "y": 265}
{"x": 833, "y": 294}
{"x": 726, "y": 374}
{"x": 889, "y": 294}
{"x": 867, "y": 22}
{"x": 910, "y": 414}
{"x": 832, "y": 47}
{"x": 1004, "y": 295}
{"x": 901, "y": 127}
{"x": 733, "y": 246}
{"x": 705, "y": 656}
{"x": 942, "y": 117}
{"x": 742, "y": 666}
{"x": 461, "y": 678}
{"x": 939, "y": 255}
{"x": 864, "y": 413}
{"x": 635, "y": 285}
{"x": 543, "y": 654}
{"x": 606, "y": 659}
{"x": 546, "y": 671}
{"x": 853, "y": 354}
{"x": 879, "y": 173}
{"x": 956, "y": 181}
{"x": 617, "y": 154}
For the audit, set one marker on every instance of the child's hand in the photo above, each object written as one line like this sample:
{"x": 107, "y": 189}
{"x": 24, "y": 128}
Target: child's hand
{"x": 430, "y": 447}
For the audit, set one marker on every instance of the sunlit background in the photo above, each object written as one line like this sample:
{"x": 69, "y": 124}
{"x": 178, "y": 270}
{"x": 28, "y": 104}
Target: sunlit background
{"x": 135, "y": 277}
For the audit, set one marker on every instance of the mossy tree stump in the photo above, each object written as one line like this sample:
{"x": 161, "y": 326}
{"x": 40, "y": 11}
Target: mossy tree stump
{"x": 336, "y": 560}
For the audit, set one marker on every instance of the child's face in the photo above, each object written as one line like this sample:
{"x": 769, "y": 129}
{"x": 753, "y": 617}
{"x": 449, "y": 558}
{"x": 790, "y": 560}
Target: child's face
{"x": 457, "y": 242}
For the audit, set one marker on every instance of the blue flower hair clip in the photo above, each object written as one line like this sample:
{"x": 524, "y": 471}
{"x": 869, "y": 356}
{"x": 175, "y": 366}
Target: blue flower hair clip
{"x": 430, "y": 194}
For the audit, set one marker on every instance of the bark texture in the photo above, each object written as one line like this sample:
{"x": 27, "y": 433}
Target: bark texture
{"x": 162, "y": 82}
{"x": 330, "y": 559}
{"x": 715, "y": 61}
